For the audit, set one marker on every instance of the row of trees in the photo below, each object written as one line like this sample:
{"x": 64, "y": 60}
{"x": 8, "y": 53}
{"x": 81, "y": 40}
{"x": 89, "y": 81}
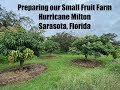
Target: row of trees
{"x": 13, "y": 41}
{"x": 18, "y": 41}
{"x": 105, "y": 44}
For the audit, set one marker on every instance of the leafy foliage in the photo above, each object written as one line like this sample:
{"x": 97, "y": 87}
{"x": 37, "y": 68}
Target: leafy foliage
{"x": 19, "y": 41}
{"x": 21, "y": 56}
{"x": 12, "y": 56}
{"x": 73, "y": 50}
{"x": 94, "y": 45}
{"x": 3, "y": 59}
{"x": 28, "y": 53}
{"x": 87, "y": 44}
{"x": 64, "y": 39}
{"x": 116, "y": 54}
{"x": 110, "y": 37}
{"x": 51, "y": 46}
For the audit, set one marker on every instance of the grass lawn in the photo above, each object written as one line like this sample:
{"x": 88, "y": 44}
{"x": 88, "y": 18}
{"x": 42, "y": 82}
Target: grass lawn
{"x": 63, "y": 75}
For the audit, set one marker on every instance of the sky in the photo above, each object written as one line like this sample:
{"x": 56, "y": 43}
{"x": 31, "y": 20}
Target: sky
{"x": 102, "y": 22}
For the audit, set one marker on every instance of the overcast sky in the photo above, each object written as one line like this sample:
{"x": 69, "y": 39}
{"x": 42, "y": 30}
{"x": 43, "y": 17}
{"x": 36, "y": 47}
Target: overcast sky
{"x": 102, "y": 22}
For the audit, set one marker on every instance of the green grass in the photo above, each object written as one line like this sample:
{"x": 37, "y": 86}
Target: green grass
{"x": 62, "y": 75}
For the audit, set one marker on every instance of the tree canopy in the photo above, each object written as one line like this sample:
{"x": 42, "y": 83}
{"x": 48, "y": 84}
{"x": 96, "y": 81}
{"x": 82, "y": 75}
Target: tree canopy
{"x": 64, "y": 39}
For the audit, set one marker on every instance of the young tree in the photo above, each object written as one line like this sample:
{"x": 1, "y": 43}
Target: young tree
{"x": 94, "y": 45}
{"x": 86, "y": 45}
{"x": 21, "y": 56}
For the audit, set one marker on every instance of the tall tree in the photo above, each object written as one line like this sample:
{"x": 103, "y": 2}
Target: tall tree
{"x": 64, "y": 39}
{"x": 9, "y": 18}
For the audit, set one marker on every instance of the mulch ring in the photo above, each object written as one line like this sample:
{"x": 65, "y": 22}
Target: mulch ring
{"x": 86, "y": 63}
{"x": 14, "y": 75}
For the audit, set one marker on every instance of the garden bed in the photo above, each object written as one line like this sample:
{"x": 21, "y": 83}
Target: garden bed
{"x": 14, "y": 75}
{"x": 86, "y": 63}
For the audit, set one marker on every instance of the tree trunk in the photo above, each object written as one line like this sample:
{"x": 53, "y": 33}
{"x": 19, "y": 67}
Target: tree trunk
{"x": 21, "y": 64}
{"x": 86, "y": 56}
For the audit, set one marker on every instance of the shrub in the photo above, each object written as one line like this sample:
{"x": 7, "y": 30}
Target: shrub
{"x": 12, "y": 56}
{"x": 116, "y": 54}
{"x": 21, "y": 56}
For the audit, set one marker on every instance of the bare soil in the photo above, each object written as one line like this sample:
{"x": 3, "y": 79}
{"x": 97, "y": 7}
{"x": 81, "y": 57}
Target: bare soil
{"x": 86, "y": 63}
{"x": 14, "y": 75}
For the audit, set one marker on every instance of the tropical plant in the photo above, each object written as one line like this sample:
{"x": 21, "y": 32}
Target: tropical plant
{"x": 21, "y": 56}
{"x": 28, "y": 53}
{"x": 12, "y": 56}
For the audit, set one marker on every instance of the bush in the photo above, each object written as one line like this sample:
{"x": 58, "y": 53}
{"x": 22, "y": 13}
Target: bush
{"x": 12, "y": 56}
{"x": 116, "y": 54}
{"x": 21, "y": 56}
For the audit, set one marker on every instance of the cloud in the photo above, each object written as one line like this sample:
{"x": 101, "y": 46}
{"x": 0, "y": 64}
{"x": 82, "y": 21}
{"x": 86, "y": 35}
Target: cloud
{"x": 102, "y": 22}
